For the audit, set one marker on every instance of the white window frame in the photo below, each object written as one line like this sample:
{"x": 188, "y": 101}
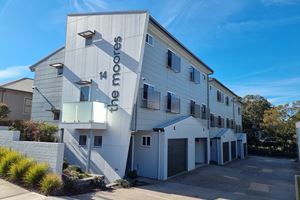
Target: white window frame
{"x": 146, "y": 136}
{"x": 24, "y": 101}
{"x": 149, "y": 35}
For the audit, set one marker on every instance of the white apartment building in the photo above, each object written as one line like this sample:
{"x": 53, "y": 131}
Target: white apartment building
{"x": 126, "y": 95}
{"x": 226, "y": 139}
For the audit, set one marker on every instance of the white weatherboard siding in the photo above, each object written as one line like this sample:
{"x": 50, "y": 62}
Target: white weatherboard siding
{"x": 50, "y": 88}
{"x": 189, "y": 128}
{"x": 85, "y": 63}
{"x": 156, "y": 73}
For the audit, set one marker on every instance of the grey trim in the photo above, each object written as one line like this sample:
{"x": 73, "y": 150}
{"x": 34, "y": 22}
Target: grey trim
{"x": 222, "y": 85}
{"x": 108, "y": 13}
{"x": 32, "y": 67}
{"x": 179, "y": 43}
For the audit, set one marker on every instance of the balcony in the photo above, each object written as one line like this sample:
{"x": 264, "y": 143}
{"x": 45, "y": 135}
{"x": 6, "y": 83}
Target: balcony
{"x": 84, "y": 115}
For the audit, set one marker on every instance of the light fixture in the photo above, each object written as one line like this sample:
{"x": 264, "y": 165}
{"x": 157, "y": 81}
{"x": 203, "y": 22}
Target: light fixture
{"x": 87, "y": 34}
{"x": 57, "y": 65}
{"x": 83, "y": 82}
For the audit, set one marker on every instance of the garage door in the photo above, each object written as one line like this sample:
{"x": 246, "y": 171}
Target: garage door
{"x": 225, "y": 152}
{"x": 233, "y": 150}
{"x": 177, "y": 156}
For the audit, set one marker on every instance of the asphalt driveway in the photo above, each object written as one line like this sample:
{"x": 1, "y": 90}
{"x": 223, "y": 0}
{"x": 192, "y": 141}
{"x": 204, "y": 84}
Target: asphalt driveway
{"x": 259, "y": 178}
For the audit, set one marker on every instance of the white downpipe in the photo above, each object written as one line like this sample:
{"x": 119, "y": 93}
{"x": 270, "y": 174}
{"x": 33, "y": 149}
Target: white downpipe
{"x": 159, "y": 173}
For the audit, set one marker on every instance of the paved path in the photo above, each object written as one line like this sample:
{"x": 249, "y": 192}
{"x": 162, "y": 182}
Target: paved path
{"x": 259, "y": 178}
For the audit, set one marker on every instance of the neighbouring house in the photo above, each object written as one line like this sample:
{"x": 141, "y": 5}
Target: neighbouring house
{"x": 227, "y": 142}
{"x": 127, "y": 95}
{"x": 17, "y": 95}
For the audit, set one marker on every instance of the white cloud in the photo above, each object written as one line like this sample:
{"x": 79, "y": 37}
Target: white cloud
{"x": 88, "y": 5}
{"x": 13, "y": 72}
{"x": 279, "y": 2}
{"x": 276, "y": 91}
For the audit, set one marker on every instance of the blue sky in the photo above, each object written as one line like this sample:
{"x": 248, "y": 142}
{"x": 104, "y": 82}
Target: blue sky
{"x": 253, "y": 45}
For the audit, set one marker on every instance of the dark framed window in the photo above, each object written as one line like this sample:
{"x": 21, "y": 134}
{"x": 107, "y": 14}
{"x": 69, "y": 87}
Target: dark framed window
{"x": 82, "y": 140}
{"x": 146, "y": 141}
{"x": 60, "y": 71}
{"x": 227, "y": 101}
{"x": 218, "y": 96}
{"x": 227, "y": 123}
{"x": 219, "y": 121}
{"x": 97, "y": 141}
{"x": 212, "y": 120}
{"x": 195, "y": 109}
{"x": 195, "y": 75}
{"x": 151, "y": 98}
{"x": 203, "y": 111}
{"x": 239, "y": 110}
{"x": 56, "y": 115}
{"x": 149, "y": 39}
{"x": 85, "y": 93}
{"x": 174, "y": 62}
{"x": 173, "y": 103}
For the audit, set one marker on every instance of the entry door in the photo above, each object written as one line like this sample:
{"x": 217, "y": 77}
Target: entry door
{"x": 225, "y": 152}
{"x": 177, "y": 156}
{"x": 233, "y": 150}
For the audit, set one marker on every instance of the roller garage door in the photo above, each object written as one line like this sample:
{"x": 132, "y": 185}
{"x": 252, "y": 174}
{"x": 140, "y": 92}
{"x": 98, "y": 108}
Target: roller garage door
{"x": 233, "y": 150}
{"x": 225, "y": 152}
{"x": 177, "y": 156}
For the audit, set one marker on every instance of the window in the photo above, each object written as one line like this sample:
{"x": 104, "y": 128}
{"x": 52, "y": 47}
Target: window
{"x": 174, "y": 61}
{"x": 149, "y": 39}
{"x": 203, "y": 111}
{"x": 60, "y": 71}
{"x": 151, "y": 98}
{"x": 27, "y": 105}
{"x": 227, "y": 123}
{"x": 82, "y": 140}
{"x": 227, "y": 101}
{"x": 173, "y": 103}
{"x": 195, "y": 75}
{"x": 212, "y": 120}
{"x": 56, "y": 115}
{"x": 85, "y": 93}
{"x": 195, "y": 109}
{"x": 204, "y": 77}
{"x": 220, "y": 96}
{"x": 239, "y": 110}
{"x": 146, "y": 141}
{"x": 97, "y": 141}
{"x": 219, "y": 121}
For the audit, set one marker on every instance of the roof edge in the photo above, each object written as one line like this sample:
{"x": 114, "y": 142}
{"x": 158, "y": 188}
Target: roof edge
{"x": 32, "y": 67}
{"x": 107, "y": 13}
{"x": 180, "y": 44}
{"x": 221, "y": 84}
{"x": 15, "y": 81}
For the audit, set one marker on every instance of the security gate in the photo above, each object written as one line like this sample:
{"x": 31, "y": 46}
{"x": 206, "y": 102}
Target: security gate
{"x": 177, "y": 156}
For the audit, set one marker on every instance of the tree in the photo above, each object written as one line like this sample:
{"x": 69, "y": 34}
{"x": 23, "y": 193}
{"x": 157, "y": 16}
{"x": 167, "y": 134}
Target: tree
{"x": 4, "y": 110}
{"x": 254, "y": 107}
{"x": 279, "y": 122}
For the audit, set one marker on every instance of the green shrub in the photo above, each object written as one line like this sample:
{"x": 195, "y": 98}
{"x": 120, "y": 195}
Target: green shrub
{"x": 35, "y": 174}
{"x": 51, "y": 184}
{"x": 4, "y": 110}
{"x": 70, "y": 179}
{"x": 47, "y": 132}
{"x": 75, "y": 168}
{"x": 19, "y": 169}
{"x": 3, "y": 152}
{"x": 123, "y": 183}
{"x": 9, "y": 159}
{"x": 65, "y": 164}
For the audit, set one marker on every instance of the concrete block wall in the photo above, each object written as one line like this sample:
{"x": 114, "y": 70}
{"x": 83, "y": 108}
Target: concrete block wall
{"x": 51, "y": 153}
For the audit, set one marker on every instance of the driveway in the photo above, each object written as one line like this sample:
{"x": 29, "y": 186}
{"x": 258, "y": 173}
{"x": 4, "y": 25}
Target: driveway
{"x": 260, "y": 178}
